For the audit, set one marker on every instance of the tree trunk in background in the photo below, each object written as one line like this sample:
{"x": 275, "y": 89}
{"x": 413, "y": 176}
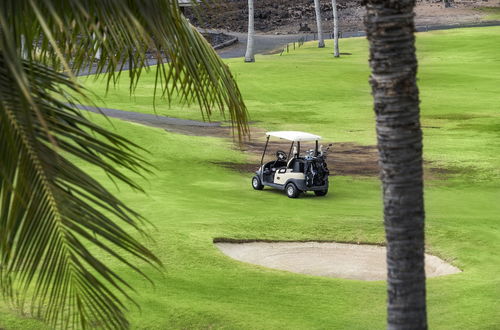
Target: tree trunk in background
{"x": 317, "y": 9}
{"x": 98, "y": 50}
{"x": 336, "y": 52}
{"x": 24, "y": 50}
{"x": 390, "y": 31}
{"x": 249, "y": 57}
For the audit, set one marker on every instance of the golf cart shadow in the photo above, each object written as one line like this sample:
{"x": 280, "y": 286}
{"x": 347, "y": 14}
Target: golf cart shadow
{"x": 294, "y": 172}
{"x": 303, "y": 195}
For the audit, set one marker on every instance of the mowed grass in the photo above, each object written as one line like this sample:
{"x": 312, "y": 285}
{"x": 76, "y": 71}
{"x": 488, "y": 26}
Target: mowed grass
{"x": 190, "y": 200}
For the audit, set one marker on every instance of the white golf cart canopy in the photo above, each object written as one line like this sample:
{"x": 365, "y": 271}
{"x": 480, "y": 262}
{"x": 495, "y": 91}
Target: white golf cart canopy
{"x": 294, "y": 136}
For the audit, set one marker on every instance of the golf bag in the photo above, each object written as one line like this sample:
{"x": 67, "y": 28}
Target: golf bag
{"x": 316, "y": 172}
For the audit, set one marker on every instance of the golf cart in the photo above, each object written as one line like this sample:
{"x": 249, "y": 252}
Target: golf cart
{"x": 292, "y": 172}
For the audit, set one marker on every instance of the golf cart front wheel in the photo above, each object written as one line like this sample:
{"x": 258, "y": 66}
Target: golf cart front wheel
{"x": 256, "y": 184}
{"x": 292, "y": 191}
{"x": 321, "y": 192}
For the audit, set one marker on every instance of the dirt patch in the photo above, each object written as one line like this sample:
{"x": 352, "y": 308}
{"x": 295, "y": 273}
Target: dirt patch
{"x": 352, "y": 159}
{"x": 345, "y": 158}
{"x": 341, "y": 260}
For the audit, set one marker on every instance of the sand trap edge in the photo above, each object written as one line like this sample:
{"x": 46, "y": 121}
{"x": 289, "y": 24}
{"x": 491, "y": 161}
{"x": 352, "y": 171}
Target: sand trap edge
{"x": 322, "y": 258}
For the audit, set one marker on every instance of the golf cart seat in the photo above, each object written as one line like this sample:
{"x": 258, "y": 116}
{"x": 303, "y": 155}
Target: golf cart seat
{"x": 273, "y": 166}
{"x": 297, "y": 165}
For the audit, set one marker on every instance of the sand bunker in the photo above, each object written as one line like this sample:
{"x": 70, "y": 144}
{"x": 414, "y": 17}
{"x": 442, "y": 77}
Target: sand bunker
{"x": 351, "y": 261}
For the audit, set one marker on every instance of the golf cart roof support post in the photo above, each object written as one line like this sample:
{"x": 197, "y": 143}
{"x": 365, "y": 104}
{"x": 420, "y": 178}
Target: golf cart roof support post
{"x": 290, "y": 152}
{"x": 262, "y": 160}
{"x": 298, "y": 147}
{"x": 316, "y": 152}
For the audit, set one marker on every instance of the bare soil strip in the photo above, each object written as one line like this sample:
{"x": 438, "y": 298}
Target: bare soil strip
{"x": 340, "y": 260}
{"x": 344, "y": 158}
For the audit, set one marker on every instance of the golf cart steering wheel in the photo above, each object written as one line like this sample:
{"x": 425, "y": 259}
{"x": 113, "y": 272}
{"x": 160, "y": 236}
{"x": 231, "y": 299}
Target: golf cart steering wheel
{"x": 281, "y": 155}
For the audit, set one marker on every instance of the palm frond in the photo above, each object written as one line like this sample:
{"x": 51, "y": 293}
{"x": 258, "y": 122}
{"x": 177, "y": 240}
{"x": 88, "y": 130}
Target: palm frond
{"x": 50, "y": 210}
{"x": 69, "y": 34}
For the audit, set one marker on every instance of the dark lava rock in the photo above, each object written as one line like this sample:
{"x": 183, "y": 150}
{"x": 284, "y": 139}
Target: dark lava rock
{"x": 232, "y": 15}
{"x": 217, "y": 38}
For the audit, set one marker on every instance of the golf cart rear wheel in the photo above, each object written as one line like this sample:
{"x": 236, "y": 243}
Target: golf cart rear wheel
{"x": 256, "y": 184}
{"x": 292, "y": 191}
{"x": 321, "y": 192}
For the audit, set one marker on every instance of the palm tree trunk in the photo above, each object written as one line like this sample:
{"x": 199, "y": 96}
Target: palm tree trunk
{"x": 249, "y": 57}
{"x": 335, "y": 29}
{"x": 317, "y": 9}
{"x": 390, "y": 30}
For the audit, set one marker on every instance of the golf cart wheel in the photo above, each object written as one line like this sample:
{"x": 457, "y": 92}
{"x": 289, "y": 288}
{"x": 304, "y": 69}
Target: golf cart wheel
{"x": 292, "y": 191}
{"x": 256, "y": 184}
{"x": 321, "y": 192}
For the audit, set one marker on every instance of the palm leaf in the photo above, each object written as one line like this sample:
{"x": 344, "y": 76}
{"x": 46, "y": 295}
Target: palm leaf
{"x": 51, "y": 211}
{"x": 68, "y": 33}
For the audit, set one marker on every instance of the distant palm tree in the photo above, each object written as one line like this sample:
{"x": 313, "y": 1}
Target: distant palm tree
{"x": 53, "y": 215}
{"x": 390, "y": 30}
{"x": 249, "y": 56}
{"x": 336, "y": 52}
{"x": 317, "y": 9}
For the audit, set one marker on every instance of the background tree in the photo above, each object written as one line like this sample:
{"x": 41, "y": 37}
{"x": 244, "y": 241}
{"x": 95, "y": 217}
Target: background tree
{"x": 52, "y": 214}
{"x": 336, "y": 51}
{"x": 390, "y": 30}
{"x": 317, "y": 10}
{"x": 249, "y": 56}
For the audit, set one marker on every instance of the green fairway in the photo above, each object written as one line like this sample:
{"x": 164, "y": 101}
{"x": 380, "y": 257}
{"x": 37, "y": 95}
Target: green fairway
{"x": 190, "y": 200}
